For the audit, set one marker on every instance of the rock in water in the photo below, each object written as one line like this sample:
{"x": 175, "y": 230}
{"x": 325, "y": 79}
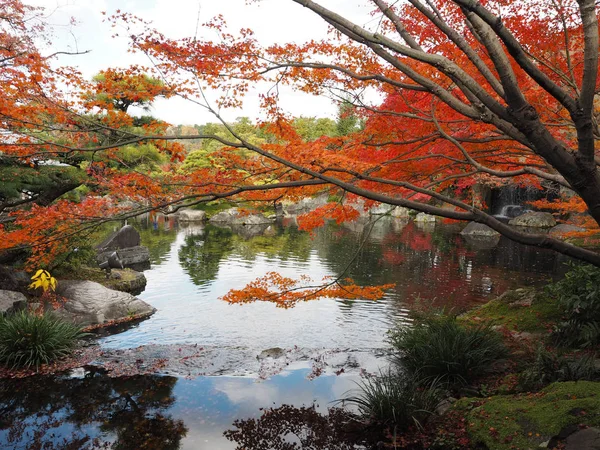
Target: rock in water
{"x": 479, "y": 229}
{"x": 124, "y": 238}
{"x": 423, "y": 218}
{"x": 192, "y": 215}
{"x": 534, "y": 219}
{"x": 90, "y": 303}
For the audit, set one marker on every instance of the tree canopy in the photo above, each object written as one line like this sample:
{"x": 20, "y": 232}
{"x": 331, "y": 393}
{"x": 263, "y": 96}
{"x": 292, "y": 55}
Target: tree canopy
{"x": 475, "y": 92}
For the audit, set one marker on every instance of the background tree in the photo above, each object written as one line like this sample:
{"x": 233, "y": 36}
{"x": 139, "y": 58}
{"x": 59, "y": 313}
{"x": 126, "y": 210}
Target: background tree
{"x": 474, "y": 92}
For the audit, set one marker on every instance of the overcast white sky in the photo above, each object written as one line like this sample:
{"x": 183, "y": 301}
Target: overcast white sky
{"x": 271, "y": 20}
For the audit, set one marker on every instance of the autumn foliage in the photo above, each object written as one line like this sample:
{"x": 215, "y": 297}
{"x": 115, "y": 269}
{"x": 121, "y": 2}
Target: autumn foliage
{"x": 475, "y": 93}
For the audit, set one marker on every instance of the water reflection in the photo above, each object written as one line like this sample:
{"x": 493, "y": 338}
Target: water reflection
{"x": 195, "y": 265}
{"x": 165, "y": 413}
{"x": 89, "y": 413}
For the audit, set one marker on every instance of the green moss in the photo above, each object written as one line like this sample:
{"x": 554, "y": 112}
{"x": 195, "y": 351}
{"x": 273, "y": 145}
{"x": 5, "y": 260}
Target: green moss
{"x": 99, "y": 276}
{"x": 512, "y": 310}
{"x": 527, "y": 420}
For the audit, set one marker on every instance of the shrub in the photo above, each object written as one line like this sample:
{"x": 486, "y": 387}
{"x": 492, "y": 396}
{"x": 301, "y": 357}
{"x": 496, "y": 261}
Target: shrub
{"x": 549, "y": 367}
{"x": 439, "y": 347}
{"x": 579, "y": 296}
{"x": 28, "y": 340}
{"x": 395, "y": 400}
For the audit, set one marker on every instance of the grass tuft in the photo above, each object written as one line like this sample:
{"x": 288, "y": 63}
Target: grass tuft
{"x": 440, "y": 347}
{"x": 28, "y": 340}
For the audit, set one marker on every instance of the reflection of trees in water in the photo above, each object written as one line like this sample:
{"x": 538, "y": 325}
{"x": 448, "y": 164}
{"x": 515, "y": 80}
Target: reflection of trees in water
{"x": 288, "y": 428}
{"x": 201, "y": 255}
{"x": 436, "y": 265}
{"x": 93, "y": 412}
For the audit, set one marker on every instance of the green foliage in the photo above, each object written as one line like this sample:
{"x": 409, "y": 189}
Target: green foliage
{"x": 440, "y": 347}
{"x": 549, "y": 367}
{"x": 579, "y": 296}
{"x": 19, "y": 178}
{"x": 28, "y": 340}
{"x": 311, "y": 128}
{"x": 395, "y": 400}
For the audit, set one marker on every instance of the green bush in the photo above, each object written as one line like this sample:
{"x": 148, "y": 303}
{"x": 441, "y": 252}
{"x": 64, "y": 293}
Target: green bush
{"x": 549, "y": 367}
{"x": 440, "y": 347}
{"x": 28, "y": 340}
{"x": 579, "y": 296}
{"x": 395, "y": 400}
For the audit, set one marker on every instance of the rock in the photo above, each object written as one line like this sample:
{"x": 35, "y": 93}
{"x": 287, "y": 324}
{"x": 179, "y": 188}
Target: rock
{"x": 234, "y": 217}
{"x": 422, "y": 217}
{"x": 275, "y": 352}
{"x": 129, "y": 256}
{"x": 90, "y": 303}
{"x": 444, "y": 406}
{"x": 534, "y": 219}
{"x": 588, "y": 439}
{"x": 192, "y": 215}
{"x": 12, "y": 280}
{"x": 400, "y": 212}
{"x": 479, "y": 229}
{"x": 8, "y": 300}
{"x": 128, "y": 280}
{"x": 305, "y": 205}
{"x": 381, "y": 210}
{"x": 124, "y": 238}
{"x": 563, "y": 228}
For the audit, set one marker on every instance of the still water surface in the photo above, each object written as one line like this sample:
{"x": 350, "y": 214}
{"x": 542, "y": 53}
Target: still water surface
{"x": 429, "y": 264}
{"x": 193, "y": 266}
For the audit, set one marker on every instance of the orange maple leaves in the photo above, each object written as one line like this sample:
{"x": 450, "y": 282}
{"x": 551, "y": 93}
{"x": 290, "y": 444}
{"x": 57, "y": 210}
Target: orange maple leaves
{"x": 286, "y": 292}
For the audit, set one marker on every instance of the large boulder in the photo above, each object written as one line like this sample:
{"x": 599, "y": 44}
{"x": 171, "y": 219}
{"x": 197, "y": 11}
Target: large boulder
{"x": 479, "y": 229}
{"x": 233, "y": 216}
{"x": 563, "y": 229}
{"x": 8, "y": 300}
{"x": 192, "y": 215}
{"x": 126, "y": 237}
{"x": 89, "y": 303}
{"x": 422, "y": 218}
{"x": 305, "y": 205}
{"x": 130, "y": 257}
{"x": 534, "y": 219}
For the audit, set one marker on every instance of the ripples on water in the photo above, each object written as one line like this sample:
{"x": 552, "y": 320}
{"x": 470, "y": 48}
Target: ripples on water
{"x": 431, "y": 265}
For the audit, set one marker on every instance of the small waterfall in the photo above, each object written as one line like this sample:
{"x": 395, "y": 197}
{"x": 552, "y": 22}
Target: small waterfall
{"x": 511, "y": 201}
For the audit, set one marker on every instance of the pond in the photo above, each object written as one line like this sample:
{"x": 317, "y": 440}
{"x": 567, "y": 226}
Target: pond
{"x": 431, "y": 265}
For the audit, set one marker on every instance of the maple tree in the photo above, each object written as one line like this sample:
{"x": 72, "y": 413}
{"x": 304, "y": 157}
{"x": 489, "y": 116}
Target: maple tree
{"x": 475, "y": 92}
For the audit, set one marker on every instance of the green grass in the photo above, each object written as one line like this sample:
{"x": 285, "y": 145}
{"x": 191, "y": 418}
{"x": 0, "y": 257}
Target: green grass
{"x": 441, "y": 347}
{"x": 28, "y": 340}
{"x": 527, "y": 420}
{"x": 394, "y": 401}
{"x": 539, "y": 317}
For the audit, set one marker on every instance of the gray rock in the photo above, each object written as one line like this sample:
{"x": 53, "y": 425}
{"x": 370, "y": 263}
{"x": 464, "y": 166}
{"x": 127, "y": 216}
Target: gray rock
{"x": 422, "y": 217}
{"x": 534, "y": 219}
{"x": 479, "y": 229}
{"x": 400, "y": 212}
{"x": 9, "y": 298}
{"x": 90, "y": 303}
{"x": 381, "y": 209}
{"x": 128, "y": 256}
{"x": 124, "y": 238}
{"x": 563, "y": 228}
{"x": 234, "y": 217}
{"x": 304, "y": 205}
{"x": 587, "y": 439}
{"x": 192, "y": 215}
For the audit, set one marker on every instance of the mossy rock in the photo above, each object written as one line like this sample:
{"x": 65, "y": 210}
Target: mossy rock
{"x": 124, "y": 280}
{"x": 525, "y": 421}
{"x": 521, "y": 310}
